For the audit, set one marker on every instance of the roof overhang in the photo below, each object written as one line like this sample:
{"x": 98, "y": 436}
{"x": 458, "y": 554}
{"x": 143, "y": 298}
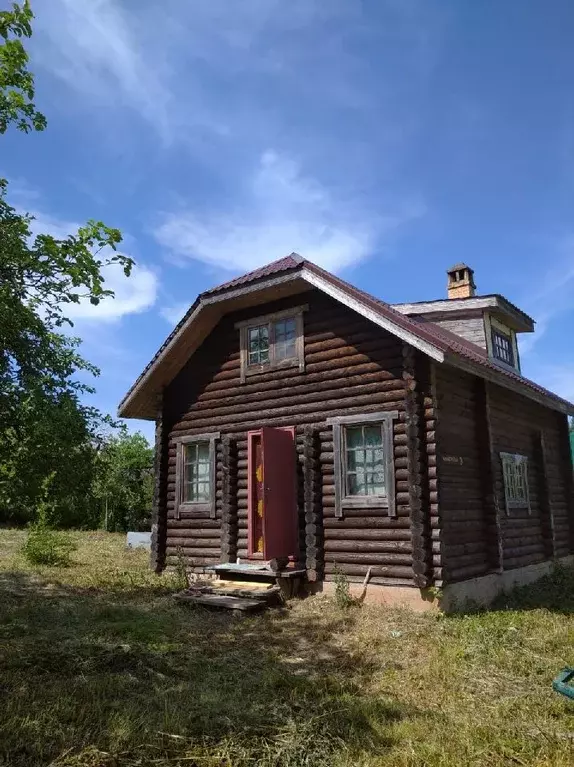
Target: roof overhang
{"x": 517, "y": 385}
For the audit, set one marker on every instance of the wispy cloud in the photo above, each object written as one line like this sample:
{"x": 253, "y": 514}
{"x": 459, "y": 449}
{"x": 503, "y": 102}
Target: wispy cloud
{"x": 219, "y": 69}
{"x": 552, "y": 296}
{"x": 174, "y": 312}
{"x": 282, "y": 210}
{"x": 99, "y": 49}
{"x": 558, "y": 379}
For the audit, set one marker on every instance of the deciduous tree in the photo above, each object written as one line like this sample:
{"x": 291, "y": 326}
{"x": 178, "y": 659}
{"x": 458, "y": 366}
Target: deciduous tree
{"x": 45, "y": 427}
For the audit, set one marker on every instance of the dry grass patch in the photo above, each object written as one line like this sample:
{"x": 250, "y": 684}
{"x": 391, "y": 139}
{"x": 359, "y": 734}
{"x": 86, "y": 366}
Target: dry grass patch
{"x": 100, "y": 667}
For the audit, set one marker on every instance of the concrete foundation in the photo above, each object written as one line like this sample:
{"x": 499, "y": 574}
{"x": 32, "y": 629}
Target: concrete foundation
{"x": 455, "y": 596}
{"x": 483, "y": 590}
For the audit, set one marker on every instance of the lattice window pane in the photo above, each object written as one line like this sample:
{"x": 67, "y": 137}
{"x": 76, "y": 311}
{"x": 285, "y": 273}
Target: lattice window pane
{"x": 285, "y": 338}
{"x": 258, "y": 339}
{"x": 196, "y": 472}
{"x": 364, "y": 469}
{"x": 502, "y": 347}
{"x": 515, "y": 476}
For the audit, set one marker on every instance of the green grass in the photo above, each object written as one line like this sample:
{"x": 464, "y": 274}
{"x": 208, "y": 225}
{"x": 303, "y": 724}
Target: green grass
{"x": 100, "y": 667}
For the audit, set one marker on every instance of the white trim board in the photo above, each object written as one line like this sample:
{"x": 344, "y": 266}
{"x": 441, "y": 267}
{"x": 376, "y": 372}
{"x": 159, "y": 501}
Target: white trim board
{"x": 378, "y": 319}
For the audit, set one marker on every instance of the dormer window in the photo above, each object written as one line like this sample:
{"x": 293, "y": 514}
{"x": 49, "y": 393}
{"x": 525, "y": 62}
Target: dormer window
{"x": 272, "y": 341}
{"x": 502, "y": 347}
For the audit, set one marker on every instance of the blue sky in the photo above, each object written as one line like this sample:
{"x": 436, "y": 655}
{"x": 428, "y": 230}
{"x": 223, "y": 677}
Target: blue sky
{"x": 383, "y": 139}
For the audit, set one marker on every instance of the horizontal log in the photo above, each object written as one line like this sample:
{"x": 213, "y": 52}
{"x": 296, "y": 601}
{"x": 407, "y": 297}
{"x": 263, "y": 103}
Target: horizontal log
{"x": 472, "y": 547}
{"x": 363, "y": 547}
{"x": 348, "y": 557}
{"x": 523, "y": 551}
{"x": 290, "y": 395}
{"x": 377, "y": 571}
{"x": 510, "y": 563}
{"x": 368, "y": 534}
{"x": 208, "y": 533}
{"x": 194, "y": 543}
{"x": 356, "y": 519}
{"x": 256, "y": 416}
{"x": 378, "y": 349}
{"x": 328, "y": 504}
{"x": 330, "y": 329}
{"x": 190, "y": 561}
{"x": 463, "y": 573}
{"x": 193, "y": 522}
{"x": 463, "y": 560}
{"x": 193, "y": 551}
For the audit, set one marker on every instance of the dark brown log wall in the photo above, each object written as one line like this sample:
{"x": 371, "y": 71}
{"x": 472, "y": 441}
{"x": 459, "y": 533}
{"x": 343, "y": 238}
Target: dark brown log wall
{"x": 351, "y": 366}
{"x": 517, "y": 424}
{"x": 476, "y": 421}
{"x": 461, "y": 493}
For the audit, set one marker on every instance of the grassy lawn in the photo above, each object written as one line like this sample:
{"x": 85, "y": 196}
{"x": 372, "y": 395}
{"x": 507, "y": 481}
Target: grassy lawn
{"x": 99, "y": 667}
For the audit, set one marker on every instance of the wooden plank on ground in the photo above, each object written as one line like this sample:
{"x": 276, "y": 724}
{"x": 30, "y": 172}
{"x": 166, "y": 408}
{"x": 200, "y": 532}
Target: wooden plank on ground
{"x": 226, "y": 602}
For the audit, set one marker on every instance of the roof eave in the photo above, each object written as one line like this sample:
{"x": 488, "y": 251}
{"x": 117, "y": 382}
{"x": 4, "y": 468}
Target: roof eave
{"x": 521, "y": 387}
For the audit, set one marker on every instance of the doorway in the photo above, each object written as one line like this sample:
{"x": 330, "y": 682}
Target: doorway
{"x": 272, "y": 525}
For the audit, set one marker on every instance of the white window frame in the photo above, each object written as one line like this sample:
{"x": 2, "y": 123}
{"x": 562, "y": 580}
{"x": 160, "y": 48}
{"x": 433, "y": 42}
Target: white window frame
{"x": 195, "y": 507}
{"x": 342, "y": 499}
{"x": 298, "y": 360}
{"x": 510, "y": 461}
{"x": 491, "y": 326}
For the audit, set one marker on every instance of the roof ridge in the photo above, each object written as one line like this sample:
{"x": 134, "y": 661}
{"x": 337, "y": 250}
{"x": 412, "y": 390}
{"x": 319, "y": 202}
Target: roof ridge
{"x": 292, "y": 261}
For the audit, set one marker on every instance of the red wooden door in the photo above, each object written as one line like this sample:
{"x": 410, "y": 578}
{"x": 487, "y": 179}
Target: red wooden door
{"x": 280, "y": 528}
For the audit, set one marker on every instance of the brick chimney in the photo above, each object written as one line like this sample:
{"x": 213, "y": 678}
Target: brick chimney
{"x": 460, "y": 281}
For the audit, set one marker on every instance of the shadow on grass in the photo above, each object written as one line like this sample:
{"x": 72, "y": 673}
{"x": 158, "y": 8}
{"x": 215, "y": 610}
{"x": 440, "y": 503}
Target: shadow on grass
{"x": 91, "y": 677}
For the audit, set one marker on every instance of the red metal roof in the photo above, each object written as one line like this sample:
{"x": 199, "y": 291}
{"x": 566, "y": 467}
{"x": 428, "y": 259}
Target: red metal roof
{"x": 424, "y": 329}
{"x": 441, "y": 338}
{"x": 281, "y": 265}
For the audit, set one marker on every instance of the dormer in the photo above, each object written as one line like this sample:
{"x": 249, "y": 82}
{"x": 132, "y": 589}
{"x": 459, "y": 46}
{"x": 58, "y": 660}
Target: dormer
{"x": 491, "y": 321}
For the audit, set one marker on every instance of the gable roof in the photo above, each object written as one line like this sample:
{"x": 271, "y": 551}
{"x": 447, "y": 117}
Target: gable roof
{"x": 290, "y": 275}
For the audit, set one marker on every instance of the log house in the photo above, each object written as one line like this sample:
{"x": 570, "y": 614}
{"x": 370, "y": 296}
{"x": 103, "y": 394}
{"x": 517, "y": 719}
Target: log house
{"x": 298, "y": 417}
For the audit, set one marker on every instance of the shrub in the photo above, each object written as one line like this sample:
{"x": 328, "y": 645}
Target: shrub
{"x": 343, "y": 597}
{"x": 44, "y": 546}
{"x": 182, "y": 580}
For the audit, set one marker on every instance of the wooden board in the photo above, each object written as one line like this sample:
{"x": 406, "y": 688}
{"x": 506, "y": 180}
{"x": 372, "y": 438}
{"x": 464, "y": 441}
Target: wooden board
{"x": 226, "y": 602}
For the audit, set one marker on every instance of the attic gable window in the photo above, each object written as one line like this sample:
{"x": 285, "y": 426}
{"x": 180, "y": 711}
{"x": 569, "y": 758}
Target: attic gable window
{"x": 502, "y": 347}
{"x": 272, "y": 341}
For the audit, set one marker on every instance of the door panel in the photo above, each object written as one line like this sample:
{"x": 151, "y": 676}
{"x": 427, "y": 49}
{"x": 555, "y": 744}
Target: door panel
{"x": 280, "y": 524}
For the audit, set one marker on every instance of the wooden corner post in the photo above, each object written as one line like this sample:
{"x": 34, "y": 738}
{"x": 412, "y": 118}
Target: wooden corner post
{"x": 419, "y": 511}
{"x": 314, "y": 557}
{"x": 229, "y": 523}
{"x": 159, "y": 506}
